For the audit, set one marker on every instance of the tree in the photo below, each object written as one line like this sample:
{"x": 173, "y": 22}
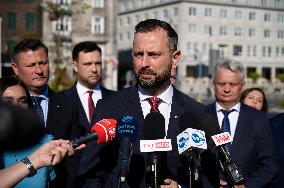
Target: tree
{"x": 57, "y": 11}
{"x": 254, "y": 76}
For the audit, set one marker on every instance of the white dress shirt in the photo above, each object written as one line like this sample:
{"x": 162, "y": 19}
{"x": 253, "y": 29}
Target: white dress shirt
{"x": 233, "y": 117}
{"x": 84, "y": 95}
{"x": 164, "y": 107}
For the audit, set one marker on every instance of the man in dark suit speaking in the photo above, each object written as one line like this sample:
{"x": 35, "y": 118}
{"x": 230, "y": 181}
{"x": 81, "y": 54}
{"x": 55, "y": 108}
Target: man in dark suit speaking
{"x": 252, "y": 146}
{"x": 155, "y": 53}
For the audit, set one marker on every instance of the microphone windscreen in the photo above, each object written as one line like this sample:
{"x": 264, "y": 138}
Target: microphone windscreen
{"x": 19, "y": 128}
{"x": 127, "y": 127}
{"x": 105, "y": 129}
{"x": 190, "y": 120}
{"x": 210, "y": 125}
{"x": 154, "y": 126}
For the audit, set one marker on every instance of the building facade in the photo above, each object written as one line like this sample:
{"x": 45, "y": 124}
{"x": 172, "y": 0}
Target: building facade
{"x": 249, "y": 31}
{"x": 86, "y": 20}
{"x": 20, "y": 19}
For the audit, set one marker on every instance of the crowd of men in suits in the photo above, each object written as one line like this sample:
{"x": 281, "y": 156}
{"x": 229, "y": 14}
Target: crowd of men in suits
{"x": 71, "y": 114}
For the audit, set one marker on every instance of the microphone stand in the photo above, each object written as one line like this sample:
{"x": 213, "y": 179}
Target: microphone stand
{"x": 193, "y": 168}
{"x": 156, "y": 170}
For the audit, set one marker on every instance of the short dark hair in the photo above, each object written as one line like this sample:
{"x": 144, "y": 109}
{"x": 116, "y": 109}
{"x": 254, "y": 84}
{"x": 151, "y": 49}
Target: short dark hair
{"x": 10, "y": 81}
{"x": 86, "y": 46}
{"x": 150, "y": 25}
{"x": 27, "y": 45}
{"x": 248, "y": 90}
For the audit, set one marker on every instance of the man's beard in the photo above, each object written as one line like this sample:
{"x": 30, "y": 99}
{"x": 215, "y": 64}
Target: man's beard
{"x": 159, "y": 80}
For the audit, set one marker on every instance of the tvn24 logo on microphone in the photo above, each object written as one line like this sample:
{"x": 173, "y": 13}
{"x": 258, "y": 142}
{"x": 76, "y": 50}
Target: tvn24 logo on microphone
{"x": 191, "y": 138}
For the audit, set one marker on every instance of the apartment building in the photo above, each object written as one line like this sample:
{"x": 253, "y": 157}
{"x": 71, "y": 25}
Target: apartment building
{"x": 249, "y": 31}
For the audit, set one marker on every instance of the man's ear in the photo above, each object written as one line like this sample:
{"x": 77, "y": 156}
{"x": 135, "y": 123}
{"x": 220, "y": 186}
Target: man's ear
{"x": 176, "y": 58}
{"x": 15, "y": 68}
{"x": 75, "y": 66}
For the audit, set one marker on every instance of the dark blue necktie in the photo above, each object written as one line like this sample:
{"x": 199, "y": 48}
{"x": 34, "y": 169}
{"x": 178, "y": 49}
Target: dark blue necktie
{"x": 226, "y": 125}
{"x": 36, "y": 100}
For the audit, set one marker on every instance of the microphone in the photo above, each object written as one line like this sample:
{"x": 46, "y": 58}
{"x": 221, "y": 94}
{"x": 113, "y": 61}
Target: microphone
{"x": 217, "y": 141}
{"x": 191, "y": 141}
{"x": 103, "y": 131}
{"x": 126, "y": 134}
{"x": 154, "y": 129}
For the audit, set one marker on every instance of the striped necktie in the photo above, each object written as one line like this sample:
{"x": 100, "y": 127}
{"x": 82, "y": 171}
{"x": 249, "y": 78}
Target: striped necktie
{"x": 154, "y": 103}
{"x": 226, "y": 125}
{"x": 36, "y": 101}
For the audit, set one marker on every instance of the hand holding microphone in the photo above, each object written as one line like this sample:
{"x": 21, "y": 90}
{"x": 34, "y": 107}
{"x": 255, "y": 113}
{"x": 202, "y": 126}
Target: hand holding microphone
{"x": 103, "y": 131}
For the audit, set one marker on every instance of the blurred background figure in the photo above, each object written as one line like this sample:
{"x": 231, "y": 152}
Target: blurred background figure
{"x": 255, "y": 98}
{"x": 15, "y": 92}
{"x": 277, "y": 127}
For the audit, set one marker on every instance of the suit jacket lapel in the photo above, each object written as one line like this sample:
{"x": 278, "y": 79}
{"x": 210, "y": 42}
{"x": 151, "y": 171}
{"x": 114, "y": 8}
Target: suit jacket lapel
{"x": 240, "y": 129}
{"x": 54, "y": 110}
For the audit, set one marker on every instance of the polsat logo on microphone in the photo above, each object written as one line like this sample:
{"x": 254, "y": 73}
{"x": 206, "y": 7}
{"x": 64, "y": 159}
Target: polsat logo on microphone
{"x": 191, "y": 138}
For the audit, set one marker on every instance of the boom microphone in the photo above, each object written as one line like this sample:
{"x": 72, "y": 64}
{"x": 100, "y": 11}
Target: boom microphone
{"x": 103, "y": 131}
{"x": 218, "y": 140}
{"x": 126, "y": 134}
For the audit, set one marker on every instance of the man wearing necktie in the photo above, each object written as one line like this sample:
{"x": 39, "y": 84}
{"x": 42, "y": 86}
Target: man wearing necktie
{"x": 155, "y": 53}
{"x": 60, "y": 117}
{"x": 252, "y": 146}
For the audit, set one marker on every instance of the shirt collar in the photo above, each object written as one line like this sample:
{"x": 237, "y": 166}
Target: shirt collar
{"x": 82, "y": 89}
{"x": 236, "y": 107}
{"x": 44, "y": 93}
{"x": 166, "y": 96}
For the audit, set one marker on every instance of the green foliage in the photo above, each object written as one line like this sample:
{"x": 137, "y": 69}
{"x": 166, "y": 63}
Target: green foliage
{"x": 254, "y": 76}
{"x": 280, "y": 77}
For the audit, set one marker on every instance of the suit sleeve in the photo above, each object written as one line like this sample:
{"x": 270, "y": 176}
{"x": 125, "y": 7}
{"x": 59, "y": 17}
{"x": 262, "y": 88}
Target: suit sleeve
{"x": 266, "y": 161}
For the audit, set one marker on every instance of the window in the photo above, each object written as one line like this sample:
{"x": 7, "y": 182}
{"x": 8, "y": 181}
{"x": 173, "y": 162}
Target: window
{"x": 137, "y": 18}
{"x": 11, "y": 45}
{"x": 264, "y": 3}
{"x": 12, "y": 20}
{"x": 98, "y": 3}
{"x": 192, "y": 11}
{"x": 282, "y": 51}
{"x": 238, "y": 15}
{"x": 208, "y": 12}
{"x": 252, "y": 16}
{"x": 263, "y": 51}
{"x": 251, "y": 32}
{"x": 277, "y": 51}
{"x": 280, "y": 34}
{"x": 223, "y": 13}
{"x": 248, "y": 50}
{"x": 128, "y": 35}
{"x": 175, "y": 12}
{"x": 98, "y": 25}
{"x": 63, "y": 25}
{"x": 63, "y": 2}
{"x": 280, "y": 18}
{"x": 29, "y": 1}
{"x": 190, "y": 48}
{"x": 192, "y": 28}
{"x": 254, "y": 51}
{"x": 223, "y": 30}
{"x": 120, "y": 36}
{"x": 128, "y": 20}
{"x": 166, "y": 13}
{"x": 190, "y": 71}
{"x": 276, "y": 3}
{"x": 238, "y": 31}
{"x": 266, "y": 17}
{"x": 267, "y": 33}
{"x": 30, "y": 21}
{"x": 237, "y": 50}
{"x": 269, "y": 51}
{"x": 207, "y": 29}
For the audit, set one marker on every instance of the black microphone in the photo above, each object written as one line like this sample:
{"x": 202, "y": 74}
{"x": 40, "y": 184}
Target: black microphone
{"x": 126, "y": 133}
{"x": 233, "y": 174}
{"x": 153, "y": 129}
{"x": 103, "y": 131}
{"x": 191, "y": 120}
